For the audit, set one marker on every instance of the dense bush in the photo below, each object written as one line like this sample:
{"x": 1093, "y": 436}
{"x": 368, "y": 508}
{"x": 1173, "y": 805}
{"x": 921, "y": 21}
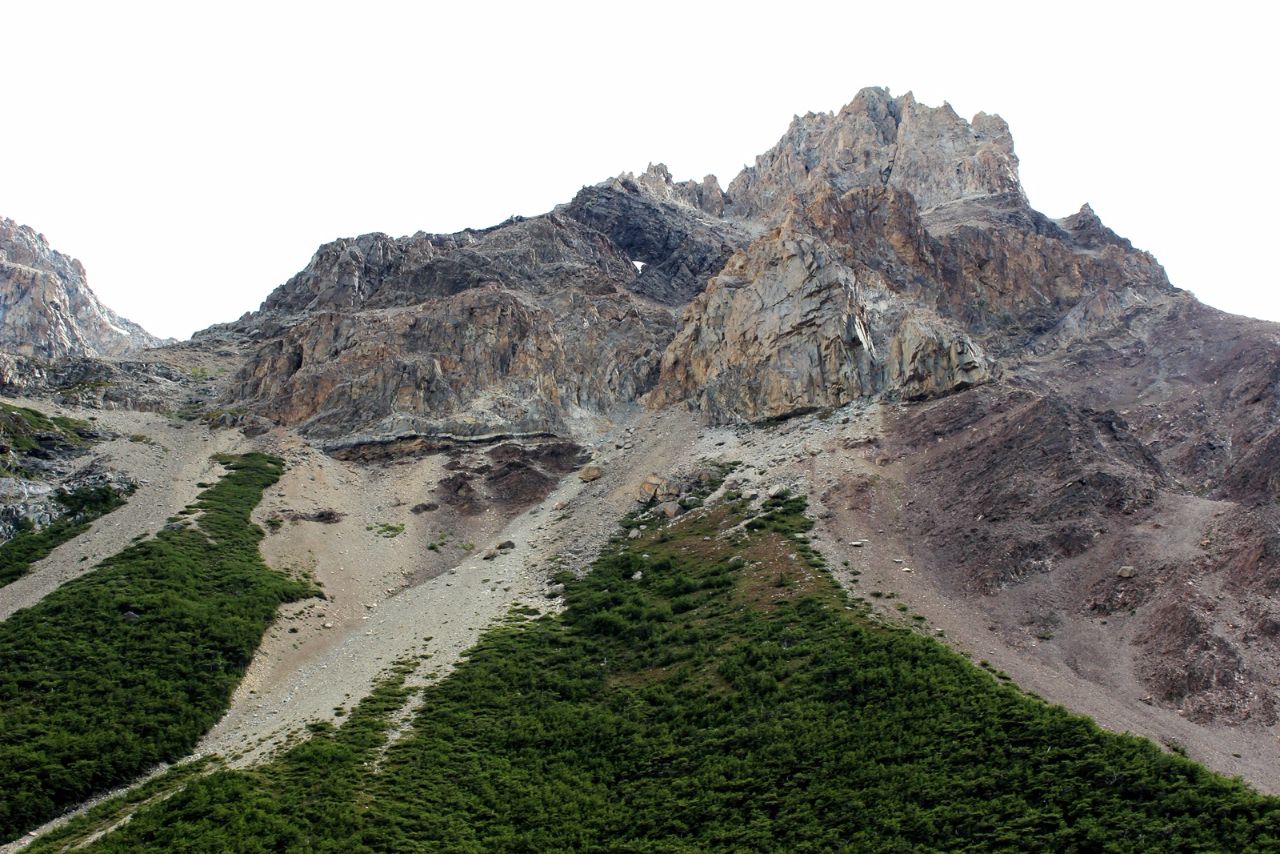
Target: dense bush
{"x": 130, "y": 664}
{"x": 688, "y": 701}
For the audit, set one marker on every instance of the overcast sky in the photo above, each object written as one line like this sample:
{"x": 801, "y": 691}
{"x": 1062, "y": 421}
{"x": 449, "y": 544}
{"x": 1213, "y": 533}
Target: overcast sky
{"x": 194, "y": 157}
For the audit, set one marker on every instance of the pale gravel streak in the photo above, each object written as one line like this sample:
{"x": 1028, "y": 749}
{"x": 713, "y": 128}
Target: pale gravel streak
{"x": 167, "y": 473}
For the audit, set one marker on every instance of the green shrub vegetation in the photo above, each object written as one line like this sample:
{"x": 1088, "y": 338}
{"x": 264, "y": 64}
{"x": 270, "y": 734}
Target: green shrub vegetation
{"x": 29, "y": 545}
{"x": 387, "y": 530}
{"x": 686, "y": 700}
{"x": 128, "y": 665}
{"x": 20, "y": 427}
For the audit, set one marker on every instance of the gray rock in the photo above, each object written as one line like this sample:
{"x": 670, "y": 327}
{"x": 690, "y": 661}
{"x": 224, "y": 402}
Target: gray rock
{"x": 47, "y": 309}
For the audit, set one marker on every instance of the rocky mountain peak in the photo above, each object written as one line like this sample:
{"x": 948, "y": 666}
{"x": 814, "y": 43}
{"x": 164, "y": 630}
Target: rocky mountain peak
{"x": 878, "y": 140}
{"x": 656, "y": 180}
{"x": 46, "y": 307}
{"x": 885, "y": 250}
{"x": 1087, "y": 230}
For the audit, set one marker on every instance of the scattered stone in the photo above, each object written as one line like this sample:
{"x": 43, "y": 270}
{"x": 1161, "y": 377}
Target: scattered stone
{"x": 777, "y": 491}
{"x": 326, "y": 626}
{"x": 424, "y": 507}
{"x": 658, "y": 489}
{"x": 490, "y": 554}
{"x": 633, "y": 534}
{"x": 1125, "y": 572}
{"x": 637, "y": 575}
{"x": 670, "y": 509}
{"x": 506, "y": 546}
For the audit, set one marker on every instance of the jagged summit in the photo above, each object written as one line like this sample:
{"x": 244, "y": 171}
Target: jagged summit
{"x": 880, "y": 141}
{"x": 884, "y": 249}
{"x": 1011, "y": 424}
{"x": 46, "y": 307}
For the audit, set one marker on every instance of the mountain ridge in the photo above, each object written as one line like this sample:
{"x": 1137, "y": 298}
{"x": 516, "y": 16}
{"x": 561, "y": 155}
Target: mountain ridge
{"x": 47, "y": 308}
{"x": 1014, "y": 427}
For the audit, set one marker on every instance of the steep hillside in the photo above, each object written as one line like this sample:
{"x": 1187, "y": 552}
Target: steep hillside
{"x": 1015, "y": 436}
{"x": 47, "y": 309}
{"x": 707, "y": 688}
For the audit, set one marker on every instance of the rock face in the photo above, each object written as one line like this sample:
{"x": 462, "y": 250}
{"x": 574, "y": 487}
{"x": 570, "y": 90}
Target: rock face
{"x": 668, "y": 228}
{"x": 879, "y": 141}
{"x": 472, "y": 334}
{"x": 904, "y": 261}
{"x": 47, "y": 309}
{"x": 787, "y": 327}
{"x": 883, "y": 251}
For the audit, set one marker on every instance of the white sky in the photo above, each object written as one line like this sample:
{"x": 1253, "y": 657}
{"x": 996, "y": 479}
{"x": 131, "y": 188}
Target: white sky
{"x": 194, "y": 156}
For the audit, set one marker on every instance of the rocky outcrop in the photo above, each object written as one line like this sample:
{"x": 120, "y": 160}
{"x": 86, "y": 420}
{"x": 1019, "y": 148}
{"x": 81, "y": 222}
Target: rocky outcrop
{"x": 148, "y": 386}
{"x": 668, "y": 229}
{"x": 786, "y": 328}
{"x": 47, "y": 309}
{"x": 474, "y": 334}
{"x": 905, "y": 261}
{"x": 894, "y": 255}
{"x": 880, "y": 141}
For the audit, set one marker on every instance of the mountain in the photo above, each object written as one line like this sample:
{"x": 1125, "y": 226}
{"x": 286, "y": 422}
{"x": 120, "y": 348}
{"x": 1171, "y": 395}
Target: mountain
{"x": 883, "y": 253}
{"x": 1056, "y": 401}
{"x": 866, "y": 378}
{"x": 47, "y": 309}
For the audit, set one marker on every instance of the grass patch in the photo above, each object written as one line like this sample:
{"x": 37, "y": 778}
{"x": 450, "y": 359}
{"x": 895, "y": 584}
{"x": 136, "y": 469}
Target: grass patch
{"x": 389, "y": 530}
{"x": 128, "y": 665}
{"x": 685, "y": 700}
{"x": 21, "y": 428}
{"x": 83, "y": 506}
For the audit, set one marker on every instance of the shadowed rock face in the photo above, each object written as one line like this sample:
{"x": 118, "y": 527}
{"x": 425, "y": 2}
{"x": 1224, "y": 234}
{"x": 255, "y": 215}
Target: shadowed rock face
{"x": 47, "y": 309}
{"x": 664, "y": 226}
{"x": 1133, "y": 480}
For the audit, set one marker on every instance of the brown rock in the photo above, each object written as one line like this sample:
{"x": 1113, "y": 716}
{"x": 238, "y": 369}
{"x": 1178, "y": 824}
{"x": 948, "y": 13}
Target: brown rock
{"x": 590, "y": 473}
{"x": 670, "y": 509}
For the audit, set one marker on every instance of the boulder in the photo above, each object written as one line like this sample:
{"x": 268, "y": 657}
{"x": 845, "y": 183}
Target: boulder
{"x": 670, "y": 509}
